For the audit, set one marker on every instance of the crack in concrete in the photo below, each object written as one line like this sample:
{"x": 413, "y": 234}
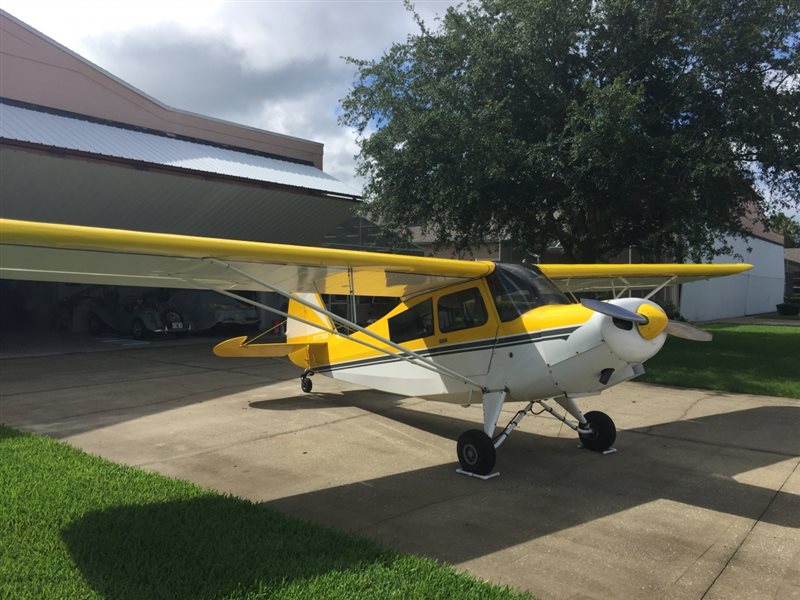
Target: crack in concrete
{"x": 138, "y": 379}
{"x": 692, "y": 405}
{"x": 419, "y": 508}
{"x": 699, "y": 558}
{"x": 708, "y": 443}
{"x": 181, "y": 364}
{"x": 156, "y": 403}
{"x": 683, "y": 414}
{"x": 749, "y": 531}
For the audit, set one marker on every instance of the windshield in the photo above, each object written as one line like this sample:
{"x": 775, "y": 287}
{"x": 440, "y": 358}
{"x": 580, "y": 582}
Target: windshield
{"x": 516, "y": 290}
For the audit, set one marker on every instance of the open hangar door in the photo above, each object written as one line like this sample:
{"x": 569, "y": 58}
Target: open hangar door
{"x": 30, "y": 306}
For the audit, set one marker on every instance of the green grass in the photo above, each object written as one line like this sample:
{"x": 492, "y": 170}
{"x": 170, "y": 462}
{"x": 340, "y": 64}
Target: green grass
{"x": 77, "y": 526}
{"x": 751, "y": 359}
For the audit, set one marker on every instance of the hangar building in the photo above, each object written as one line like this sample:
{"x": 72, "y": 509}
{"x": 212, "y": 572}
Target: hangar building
{"x": 80, "y": 146}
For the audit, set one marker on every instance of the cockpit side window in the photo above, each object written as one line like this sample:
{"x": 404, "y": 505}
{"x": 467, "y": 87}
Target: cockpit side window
{"x": 461, "y": 310}
{"x": 411, "y": 324}
{"x": 516, "y": 290}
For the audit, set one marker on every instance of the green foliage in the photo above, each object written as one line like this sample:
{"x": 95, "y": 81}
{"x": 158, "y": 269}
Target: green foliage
{"x": 788, "y": 309}
{"x": 788, "y": 227}
{"x": 749, "y": 359}
{"x": 76, "y": 526}
{"x": 599, "y": 124}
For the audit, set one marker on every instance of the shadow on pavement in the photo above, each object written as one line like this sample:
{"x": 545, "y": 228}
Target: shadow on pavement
{"x": 548, "y": 485}
{"x": 73, "y": 394}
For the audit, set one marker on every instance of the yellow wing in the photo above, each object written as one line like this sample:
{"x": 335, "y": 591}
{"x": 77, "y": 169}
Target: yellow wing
{"x": 618, "y": 277}
{"x": 69, "y": 253}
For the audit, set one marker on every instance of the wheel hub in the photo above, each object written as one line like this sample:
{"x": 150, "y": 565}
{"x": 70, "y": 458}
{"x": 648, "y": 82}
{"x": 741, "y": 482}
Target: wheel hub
{"x": 470, "y": 454}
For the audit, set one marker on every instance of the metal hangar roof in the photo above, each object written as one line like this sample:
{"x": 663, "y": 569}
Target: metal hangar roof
{"x": 78, "y": 134}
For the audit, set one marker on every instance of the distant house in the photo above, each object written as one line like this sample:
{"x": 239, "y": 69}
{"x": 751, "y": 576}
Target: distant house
{"x": 751, "y": 293}
{"x": 754, "y": 292}
{"x": 791, "y": 261}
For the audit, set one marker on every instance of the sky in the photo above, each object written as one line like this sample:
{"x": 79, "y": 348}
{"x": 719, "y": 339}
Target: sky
{"x": 275, "y": 65}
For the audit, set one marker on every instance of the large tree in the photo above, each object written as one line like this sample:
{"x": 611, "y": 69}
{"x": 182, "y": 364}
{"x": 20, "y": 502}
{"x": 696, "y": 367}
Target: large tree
{"x": 595, "y": 123}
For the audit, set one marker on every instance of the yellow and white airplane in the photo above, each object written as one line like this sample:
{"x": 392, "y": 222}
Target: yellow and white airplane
{"x": 463, "y": 331}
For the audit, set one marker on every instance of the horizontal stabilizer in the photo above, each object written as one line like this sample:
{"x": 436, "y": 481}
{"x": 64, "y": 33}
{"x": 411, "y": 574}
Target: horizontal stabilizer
{"x": 239, "y": 348}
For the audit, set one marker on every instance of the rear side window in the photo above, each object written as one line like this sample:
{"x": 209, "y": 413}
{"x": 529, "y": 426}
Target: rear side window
{"x": 414, "y": 323}
{"x": 461, "y": 310}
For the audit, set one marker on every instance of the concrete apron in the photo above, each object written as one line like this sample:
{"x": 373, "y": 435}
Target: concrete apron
{"x": 702, "y": 499}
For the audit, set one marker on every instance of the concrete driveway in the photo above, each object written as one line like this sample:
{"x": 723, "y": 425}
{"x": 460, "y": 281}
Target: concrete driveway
{"x": 701, "y": 501}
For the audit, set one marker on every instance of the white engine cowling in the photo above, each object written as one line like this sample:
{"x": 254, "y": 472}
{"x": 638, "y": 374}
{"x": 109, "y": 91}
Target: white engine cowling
{"x": 624, "y": 339}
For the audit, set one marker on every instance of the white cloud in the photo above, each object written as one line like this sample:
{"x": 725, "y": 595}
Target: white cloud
{"x": 275, "y": 65}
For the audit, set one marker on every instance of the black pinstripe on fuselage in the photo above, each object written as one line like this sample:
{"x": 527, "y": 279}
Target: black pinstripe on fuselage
{"x": 485, "y": 344}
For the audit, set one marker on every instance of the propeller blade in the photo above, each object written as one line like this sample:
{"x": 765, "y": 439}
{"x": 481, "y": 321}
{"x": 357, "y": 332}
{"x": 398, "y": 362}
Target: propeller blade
{"x": 688, "y": 332}
{"x": 613, "y": 311}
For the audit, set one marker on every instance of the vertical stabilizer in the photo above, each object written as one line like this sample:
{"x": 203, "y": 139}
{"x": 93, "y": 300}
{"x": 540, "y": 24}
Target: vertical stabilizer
{"x": 300, "y": 333}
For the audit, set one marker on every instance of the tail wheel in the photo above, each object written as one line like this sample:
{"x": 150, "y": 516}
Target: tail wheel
{"x": 476, "y": 452}
{"x": 305, "y": 384}
{"x": 602, "y": 431}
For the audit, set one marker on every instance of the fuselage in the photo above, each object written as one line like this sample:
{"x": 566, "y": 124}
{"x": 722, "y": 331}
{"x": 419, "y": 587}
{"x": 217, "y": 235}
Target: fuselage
{"x": 512, "y": 331}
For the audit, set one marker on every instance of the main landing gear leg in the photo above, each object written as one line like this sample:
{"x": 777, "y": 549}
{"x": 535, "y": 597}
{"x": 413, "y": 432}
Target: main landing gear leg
{"x": 475, "y": 448}
{"x": 305, "y": 381}
{"x": 595, "y": 429}
{"x": 477, "y": 451}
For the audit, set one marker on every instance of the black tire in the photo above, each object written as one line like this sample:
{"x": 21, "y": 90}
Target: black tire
{"x": 169, "y": 317}
{"x": 138, "y": 329}
{"x": 603, "y": 432}
{"x": 476, "y": 452}
{"x": 305, "y": 384}
{"x": 95, "y": 324}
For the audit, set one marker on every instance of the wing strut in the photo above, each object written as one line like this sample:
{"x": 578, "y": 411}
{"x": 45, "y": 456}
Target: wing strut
{"x": 405, "y": 353}
{"x": 661, "y": 287}
{"x": 426, "y": 365}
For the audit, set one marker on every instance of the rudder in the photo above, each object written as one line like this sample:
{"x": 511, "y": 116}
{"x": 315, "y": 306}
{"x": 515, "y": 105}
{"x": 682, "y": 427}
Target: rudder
{"x": 301, "y": 333}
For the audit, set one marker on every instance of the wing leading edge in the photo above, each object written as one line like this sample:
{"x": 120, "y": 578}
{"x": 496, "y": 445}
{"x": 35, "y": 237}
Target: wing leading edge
{"x": 71, "y": 253}
{"x": 618, "y": 277}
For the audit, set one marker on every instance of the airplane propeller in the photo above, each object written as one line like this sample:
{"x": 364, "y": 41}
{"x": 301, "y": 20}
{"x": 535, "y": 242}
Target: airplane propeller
{"x": 688, "y": 332}
{"x": 614, "y": 311}
{"x": 676, "y": 328}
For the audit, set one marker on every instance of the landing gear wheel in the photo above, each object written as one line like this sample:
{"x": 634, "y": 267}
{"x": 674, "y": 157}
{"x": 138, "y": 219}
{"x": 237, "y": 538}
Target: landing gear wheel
{"x": 305, "y": 384}
{"x": 603, "y": 432}
{"x": 476, "y": 452}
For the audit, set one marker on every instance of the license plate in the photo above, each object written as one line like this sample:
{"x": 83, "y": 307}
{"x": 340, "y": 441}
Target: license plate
{"x": 177, "y": 325}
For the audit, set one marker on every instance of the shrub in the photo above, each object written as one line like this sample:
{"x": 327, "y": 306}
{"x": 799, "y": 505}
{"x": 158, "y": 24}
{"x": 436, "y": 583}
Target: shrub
{"x": 788, "y": 310}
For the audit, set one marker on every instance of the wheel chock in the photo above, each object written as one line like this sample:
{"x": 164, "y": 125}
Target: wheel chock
{"x": 481, "y": 477}
{"x": 607, "y": 451}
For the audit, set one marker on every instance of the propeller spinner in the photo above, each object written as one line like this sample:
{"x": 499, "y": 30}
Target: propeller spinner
{"x": 676, "y": 328}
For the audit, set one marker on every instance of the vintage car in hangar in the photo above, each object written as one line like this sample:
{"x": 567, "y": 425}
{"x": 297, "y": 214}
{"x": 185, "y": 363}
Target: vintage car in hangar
{"x": 129, "y": 311}
{"x": 207, "y": 309}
